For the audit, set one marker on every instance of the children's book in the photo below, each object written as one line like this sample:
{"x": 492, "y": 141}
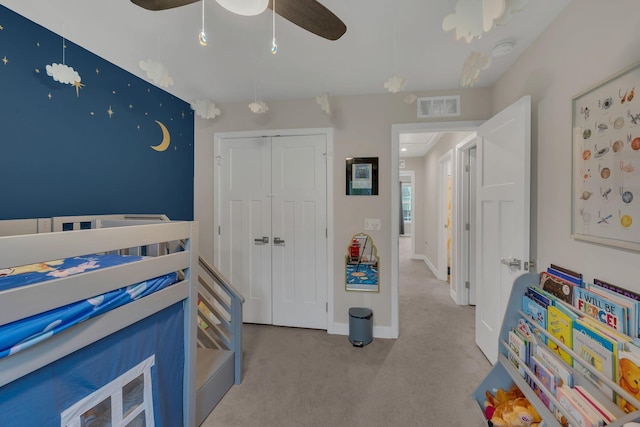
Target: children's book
{"x": 538, "y": 313}
{"x": 540, "y": 296}
{"x": 617, "y": 289}
{"x": 542, "y": 394}
{"x": 605, "y": 310}
{"x": 629, "y": 376}
{"x": 569, "y": 278}
{"x": 567, "y": 271}
{"x": 561, "y": 289}
{"x": 629, "y": 305}
{"x": 606, "y": 415}
{"x": 624, "y": 295}
{"x": 560, "y": 326}
{"x": 520, "y": 347}
{"x": 551, "y": 361}
{"x": 524, "y": 329}
{"x": 544, "y": 374}
{"x": 575, "y": 406}
{"x": 599, "y": 350}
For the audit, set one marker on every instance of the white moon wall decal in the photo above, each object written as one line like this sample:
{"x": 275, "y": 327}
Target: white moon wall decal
{"x": 166, "y": 138}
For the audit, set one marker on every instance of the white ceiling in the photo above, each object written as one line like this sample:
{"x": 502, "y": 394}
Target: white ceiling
{"x": 383, "y": 38}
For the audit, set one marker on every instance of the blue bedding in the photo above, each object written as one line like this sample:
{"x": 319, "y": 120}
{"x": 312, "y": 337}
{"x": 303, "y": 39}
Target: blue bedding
{"x": 24, "y": 333}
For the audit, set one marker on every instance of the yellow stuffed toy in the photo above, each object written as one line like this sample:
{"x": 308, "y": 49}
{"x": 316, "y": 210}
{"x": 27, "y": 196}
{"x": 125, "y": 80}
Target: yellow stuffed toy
{"x": 511, "y": 409}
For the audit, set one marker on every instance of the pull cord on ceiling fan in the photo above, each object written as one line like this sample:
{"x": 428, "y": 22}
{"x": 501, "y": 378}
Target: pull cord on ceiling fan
{"x": 307, "y": 14}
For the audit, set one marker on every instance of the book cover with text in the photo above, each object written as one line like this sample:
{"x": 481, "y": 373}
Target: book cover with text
{"x": 560, "y": 326}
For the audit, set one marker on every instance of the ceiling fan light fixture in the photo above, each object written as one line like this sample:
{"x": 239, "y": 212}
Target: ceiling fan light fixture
{"x": 244, "y": 7}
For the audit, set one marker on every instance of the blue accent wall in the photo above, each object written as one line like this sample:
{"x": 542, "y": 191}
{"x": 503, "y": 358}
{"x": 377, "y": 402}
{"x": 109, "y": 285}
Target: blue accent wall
{"x": 67, "y": 150}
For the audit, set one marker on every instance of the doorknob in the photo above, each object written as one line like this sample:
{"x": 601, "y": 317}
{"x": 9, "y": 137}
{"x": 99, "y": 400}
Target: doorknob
{"x": 262, "y": 241}
{"x": 511, "y": 262}
{"x": 278, "y": 241}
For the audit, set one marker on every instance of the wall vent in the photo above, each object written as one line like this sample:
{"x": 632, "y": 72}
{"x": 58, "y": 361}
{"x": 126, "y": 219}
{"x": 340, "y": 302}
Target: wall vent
{"x": 438, "y": 106}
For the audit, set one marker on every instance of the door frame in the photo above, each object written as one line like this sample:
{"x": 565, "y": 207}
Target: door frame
{"x": 328, "y": 133}
{"x": 445, "y": 169}
{"x": 461, "y": 294}
{"x": 396, "y": 130}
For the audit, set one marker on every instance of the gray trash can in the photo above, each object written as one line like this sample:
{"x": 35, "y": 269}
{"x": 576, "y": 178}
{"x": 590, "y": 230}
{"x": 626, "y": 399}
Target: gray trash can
{"x": 360, "y": 326}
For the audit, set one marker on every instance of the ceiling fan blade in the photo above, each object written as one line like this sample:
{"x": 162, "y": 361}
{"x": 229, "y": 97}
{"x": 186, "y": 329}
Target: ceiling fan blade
{"x": 162, "y": 4}
{"x": 312, "y": 16}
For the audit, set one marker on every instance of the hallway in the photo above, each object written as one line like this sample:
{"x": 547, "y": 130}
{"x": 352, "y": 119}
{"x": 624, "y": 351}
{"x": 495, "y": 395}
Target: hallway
{"x": 301, "y": 377}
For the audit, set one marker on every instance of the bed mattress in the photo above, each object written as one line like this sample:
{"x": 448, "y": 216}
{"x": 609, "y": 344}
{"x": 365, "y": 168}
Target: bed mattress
{"x": 21, "y": 334}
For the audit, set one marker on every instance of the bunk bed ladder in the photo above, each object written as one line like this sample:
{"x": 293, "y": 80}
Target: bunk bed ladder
{"x": 219, "y": 338}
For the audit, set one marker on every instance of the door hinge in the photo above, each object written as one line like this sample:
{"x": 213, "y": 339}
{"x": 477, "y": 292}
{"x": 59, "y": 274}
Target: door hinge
{"x": 529, "y": 266}
{"x": 467, "y": 226}
{"x": 467, "y": 284}
{"x": 326, "y": 233}
{"x": 218, "y": 230}
{"x": 326, "y": 306}
{"x": 467, "y": 168}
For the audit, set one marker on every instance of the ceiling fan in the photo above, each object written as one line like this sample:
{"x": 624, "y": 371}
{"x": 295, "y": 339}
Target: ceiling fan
{"x": 307, "y": 14}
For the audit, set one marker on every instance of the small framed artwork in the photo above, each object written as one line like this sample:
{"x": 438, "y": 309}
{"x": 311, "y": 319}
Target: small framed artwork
{"x": 606, "y": 162}
{"x": 362, "y": 176}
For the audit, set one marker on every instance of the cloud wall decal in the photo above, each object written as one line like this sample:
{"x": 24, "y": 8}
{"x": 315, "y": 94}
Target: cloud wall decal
{"x": 473, "y": 18}
{"x": 475, "y": 63}
{"x": 156, "y": 72}
{"x": 63, "y": 73}
{"x": 205, "y": 109}
{"x": 395, "y": 84}
{"x": 258, "y": 107}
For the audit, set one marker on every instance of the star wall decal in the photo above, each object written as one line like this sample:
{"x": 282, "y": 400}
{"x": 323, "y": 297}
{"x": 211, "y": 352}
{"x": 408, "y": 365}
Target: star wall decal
{"x": 110, "y": 111}
{"x": 78, "y": 86}
{"x": 5, "y": 60}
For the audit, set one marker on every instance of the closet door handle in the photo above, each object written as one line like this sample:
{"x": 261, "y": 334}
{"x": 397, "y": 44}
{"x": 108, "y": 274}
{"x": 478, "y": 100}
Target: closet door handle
{"x": 511, "y": 262}
{"x": 262, "y": 241}
{"x": 278, "y": 241}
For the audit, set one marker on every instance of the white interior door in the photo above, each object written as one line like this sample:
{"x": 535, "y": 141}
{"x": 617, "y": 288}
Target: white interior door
{"x": 273, "y": 227}
{"x": 502, "y": 209}
{"x": 244, "y": 254}
{"x": 299, "y": 231}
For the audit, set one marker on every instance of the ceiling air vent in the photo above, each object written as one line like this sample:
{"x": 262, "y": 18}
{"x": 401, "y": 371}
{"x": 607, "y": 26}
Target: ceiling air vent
{"x": 438, "y": 106}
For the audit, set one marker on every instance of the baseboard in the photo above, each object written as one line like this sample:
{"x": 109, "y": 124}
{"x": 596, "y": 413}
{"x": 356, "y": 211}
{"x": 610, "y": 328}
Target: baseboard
{"x": 378, "y": 331}
{"x": 432, "y": 267}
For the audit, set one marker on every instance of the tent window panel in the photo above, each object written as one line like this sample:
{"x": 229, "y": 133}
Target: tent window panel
{"x": 99, "y": 415}
{"x": 126, "y": 401}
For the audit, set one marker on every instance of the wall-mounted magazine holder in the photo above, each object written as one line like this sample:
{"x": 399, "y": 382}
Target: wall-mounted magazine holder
{"x": 504, "y": 374}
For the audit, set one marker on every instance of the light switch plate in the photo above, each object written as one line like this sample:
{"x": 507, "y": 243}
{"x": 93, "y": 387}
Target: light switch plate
{"x": 372, "y": 224}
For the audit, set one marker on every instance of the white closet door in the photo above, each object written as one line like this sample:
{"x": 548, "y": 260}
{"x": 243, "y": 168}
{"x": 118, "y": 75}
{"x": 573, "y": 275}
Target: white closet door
{"x": 299, "y": 221}
{"x": 245, "y": 222}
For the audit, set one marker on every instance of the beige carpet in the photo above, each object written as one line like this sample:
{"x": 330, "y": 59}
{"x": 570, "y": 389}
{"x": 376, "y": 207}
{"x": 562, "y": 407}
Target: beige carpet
{"x": 301, "y": 377}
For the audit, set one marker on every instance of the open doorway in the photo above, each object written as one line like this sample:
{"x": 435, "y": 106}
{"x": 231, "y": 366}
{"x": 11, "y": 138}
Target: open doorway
{"x": 427, "y": 219}
{"x": 407, "y": 205}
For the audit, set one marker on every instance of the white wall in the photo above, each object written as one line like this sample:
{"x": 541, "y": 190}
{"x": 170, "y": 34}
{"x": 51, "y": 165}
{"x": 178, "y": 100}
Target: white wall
{"x": 590, "y": 41}
{"x": 447, "y": 142}
{"x": 362, "y": 128}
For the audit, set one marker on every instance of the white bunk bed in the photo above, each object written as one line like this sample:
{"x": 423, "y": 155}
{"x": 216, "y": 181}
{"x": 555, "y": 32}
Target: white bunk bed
{"x": 166, "y": 247}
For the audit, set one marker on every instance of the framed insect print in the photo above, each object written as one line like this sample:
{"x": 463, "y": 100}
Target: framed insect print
{"x": 605, "y": 193}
